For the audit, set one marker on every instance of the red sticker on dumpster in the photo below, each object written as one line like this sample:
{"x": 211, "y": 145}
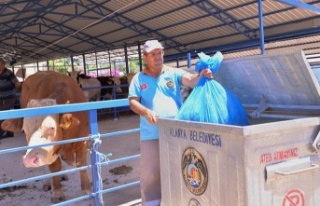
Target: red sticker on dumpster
{"x": 293, "y": 197}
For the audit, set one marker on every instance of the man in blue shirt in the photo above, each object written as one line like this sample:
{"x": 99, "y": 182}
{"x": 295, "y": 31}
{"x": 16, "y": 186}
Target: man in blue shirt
{"x": 155, "y": 92}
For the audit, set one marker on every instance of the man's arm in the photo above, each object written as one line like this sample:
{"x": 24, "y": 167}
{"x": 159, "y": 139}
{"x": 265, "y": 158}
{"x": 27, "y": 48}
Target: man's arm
{"x": 18, "y": 85}
{"x": 191, "y": 80}
{"x": 141, "y": 110}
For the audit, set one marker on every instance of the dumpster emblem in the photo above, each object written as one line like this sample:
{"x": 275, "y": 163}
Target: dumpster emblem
{"x": 194, "y": 171}
{"x": 293, "y": 197}
{"x": 194, "y": 202}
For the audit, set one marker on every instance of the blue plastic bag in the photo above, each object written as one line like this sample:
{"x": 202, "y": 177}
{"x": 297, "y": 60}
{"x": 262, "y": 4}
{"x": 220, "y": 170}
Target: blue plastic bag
{"x": 209, "y": 101}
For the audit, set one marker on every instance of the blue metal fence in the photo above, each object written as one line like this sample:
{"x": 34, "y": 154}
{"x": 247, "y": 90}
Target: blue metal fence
{"x": 97, "y": 160}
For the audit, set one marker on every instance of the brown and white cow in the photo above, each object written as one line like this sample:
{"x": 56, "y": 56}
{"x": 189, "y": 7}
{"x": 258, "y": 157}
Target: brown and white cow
{"x": 49, "y": 88}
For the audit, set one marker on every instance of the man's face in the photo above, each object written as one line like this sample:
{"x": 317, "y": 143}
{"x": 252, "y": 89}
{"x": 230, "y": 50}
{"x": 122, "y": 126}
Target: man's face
{"x": 154, "y": 58}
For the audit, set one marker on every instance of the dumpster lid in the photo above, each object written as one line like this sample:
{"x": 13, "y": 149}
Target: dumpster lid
{"x": 283, "y": 79}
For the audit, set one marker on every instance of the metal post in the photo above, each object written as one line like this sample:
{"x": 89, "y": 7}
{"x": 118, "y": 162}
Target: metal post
{"x": 189, "y": 59}
{"x": 140, "y": 58}
{"x": 178, "y": 65}
{"x": 114, "y": 96}
{"x": 109, "y": 62}
{"x": 84, "y": 63}
{"x": 96, "y": 64}
{"x": 96, "y": 181}
{"x": 126, "y": 57}
{"x": 72, "y": 63}
{"x": 261, "y": 27}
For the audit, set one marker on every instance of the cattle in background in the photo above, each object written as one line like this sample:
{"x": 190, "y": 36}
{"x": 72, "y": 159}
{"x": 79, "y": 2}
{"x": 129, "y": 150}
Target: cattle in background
{"x": 107, "y": 86}
{"x": 130, "y": 76}
{"x": 118, "y": 84}
{"x": 124, "y": 84}
{"x": 85, "y": 82}
{"x": 47, "y": 88}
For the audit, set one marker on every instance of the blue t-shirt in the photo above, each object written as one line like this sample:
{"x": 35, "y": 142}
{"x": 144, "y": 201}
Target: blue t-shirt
{"x": 161, "y": 95}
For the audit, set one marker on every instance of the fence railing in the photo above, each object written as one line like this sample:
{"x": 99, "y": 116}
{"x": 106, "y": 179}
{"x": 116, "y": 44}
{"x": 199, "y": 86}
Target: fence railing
{"x": 96, "y": 161}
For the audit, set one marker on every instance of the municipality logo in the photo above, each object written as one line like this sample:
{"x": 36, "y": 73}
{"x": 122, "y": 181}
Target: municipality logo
{"x": 194, "y": 171}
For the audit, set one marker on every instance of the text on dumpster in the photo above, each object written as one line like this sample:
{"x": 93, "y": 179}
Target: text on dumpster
{"x": 279, "y": 155}
{"x": 197, "y": 136}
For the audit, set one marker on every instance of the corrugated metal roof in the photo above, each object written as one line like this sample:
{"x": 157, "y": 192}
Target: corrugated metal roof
{"x": 41, "y": 30}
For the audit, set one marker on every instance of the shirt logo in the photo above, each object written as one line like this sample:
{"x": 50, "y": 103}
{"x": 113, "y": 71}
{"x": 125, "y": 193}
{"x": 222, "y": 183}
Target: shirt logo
{"x": 194, "y": 171}
{"x": 170, "y": 84}
{"x": 144, "y": 86}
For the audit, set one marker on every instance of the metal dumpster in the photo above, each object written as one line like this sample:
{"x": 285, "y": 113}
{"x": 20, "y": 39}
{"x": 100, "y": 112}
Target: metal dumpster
{"x": 273, "y": 161}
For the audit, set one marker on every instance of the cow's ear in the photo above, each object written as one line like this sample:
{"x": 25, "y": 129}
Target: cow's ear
{"x": 12, "y": 125}
{"x": 68, "y": 120}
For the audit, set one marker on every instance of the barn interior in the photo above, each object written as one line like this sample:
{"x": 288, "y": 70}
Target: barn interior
{"x": 105, "y": 37}
{"x": 91, "y": 35}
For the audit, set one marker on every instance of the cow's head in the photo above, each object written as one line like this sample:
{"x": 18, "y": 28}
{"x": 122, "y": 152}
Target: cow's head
{"x": 117, "y": 82}
{"x": 75, "y": 76}
{"x": 41, "y": 130}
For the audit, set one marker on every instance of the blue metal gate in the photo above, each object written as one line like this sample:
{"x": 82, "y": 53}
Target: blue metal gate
{"x": 97, "y": 159}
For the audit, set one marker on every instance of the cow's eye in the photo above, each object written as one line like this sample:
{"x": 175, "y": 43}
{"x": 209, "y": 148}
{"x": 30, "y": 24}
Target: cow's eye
{"x": 48, "y": 131}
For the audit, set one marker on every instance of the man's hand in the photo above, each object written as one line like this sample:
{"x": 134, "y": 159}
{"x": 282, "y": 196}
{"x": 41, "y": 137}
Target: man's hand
{"x": 151, "y": 116}
{"x": 207, "y": 73}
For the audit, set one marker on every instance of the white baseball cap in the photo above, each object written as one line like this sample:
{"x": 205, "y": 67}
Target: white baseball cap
{"x": 151, "y": 45}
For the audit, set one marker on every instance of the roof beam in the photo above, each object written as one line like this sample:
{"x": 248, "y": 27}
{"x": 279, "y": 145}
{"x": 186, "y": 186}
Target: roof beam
{"x": 59, "y": 27}
{"x": 139, "y": 28}
{"x": 224, "y": 17}
{"x": 246, "y": 44}
{"x": 299, "y": 4}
